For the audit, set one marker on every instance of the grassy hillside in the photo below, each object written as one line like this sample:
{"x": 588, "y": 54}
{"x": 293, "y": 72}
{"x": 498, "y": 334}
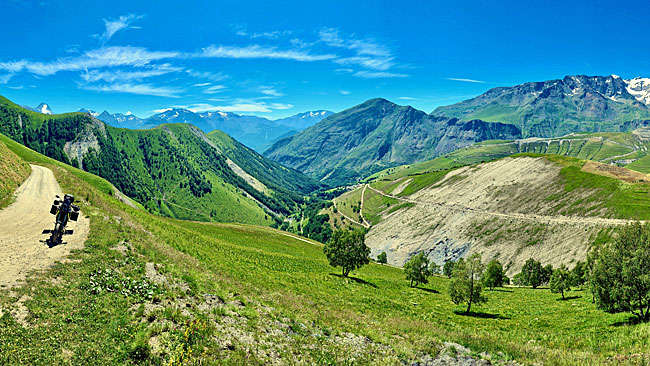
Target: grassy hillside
{"x": 627, "y": 149}
{"x": 13, "y": 171}
{"x": 174, "y": 170}
{"x": 148, "y": 289}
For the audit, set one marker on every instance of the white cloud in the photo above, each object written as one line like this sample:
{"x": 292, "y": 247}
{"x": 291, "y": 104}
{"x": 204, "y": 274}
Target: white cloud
{"x": 141, "y": 89}
{"x": 344, "y": 92}
{"x": 466, "y": 80}
{"x": 243, "y": 105}
{"x": 119, "y": 75}
{"x": 382, "y": 63}
{"x": 19, "y": 87}
{"x": 214, "y": 89}
{"x": 257, "y": 51}
{"x": 379, "y": 74}
{"x": 332, "y": 38}
{"x": 115, "y": 25}
{"x": 5, "y": 78}
{"x": 408, "y": 98}
{"x": 162, "y": 110}
{"x": 270, "y": 91}
{"x": 202, "y": 84}
{"x": 243, "y": 31}
{"x": 101, "y": 57}
{"x": 281, "y": 106}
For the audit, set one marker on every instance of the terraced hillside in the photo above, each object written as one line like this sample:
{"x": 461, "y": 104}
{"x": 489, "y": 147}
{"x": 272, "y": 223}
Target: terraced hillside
{"x": 146, "y": 289}
{"x": 175, "y": 170}
{"x": 548, "y": 207}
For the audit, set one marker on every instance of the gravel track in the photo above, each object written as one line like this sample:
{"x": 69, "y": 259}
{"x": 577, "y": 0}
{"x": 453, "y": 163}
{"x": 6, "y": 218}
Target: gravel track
{"x": 22, "y": 224}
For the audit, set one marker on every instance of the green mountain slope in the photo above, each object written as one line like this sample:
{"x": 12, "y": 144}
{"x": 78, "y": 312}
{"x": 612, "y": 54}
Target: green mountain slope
{"x": 147, "y": 289}
{"x": 175, "y": 170}
{"x": 628, "y": 149}
{"x": 375, "y": 135}
{"x": 557, "y": 107}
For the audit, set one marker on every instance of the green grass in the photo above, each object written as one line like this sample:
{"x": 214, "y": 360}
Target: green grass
{"x": 72, "y": 323}
{"x": 13, "y": 171}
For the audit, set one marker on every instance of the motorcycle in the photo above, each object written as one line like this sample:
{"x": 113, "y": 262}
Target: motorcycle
{"x": 64, "y": 211}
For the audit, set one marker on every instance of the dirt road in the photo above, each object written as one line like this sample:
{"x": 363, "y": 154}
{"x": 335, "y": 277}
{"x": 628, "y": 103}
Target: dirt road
{"x": 22, "y": 224}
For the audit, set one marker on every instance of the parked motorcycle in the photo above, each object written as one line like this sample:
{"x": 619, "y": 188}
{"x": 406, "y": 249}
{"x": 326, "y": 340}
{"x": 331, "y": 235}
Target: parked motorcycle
{"x": 64, "y": 211}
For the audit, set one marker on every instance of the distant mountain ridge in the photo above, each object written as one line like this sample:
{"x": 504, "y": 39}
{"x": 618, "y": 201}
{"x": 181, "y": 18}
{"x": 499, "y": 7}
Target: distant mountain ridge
{"x": 375, "y": 135}
{"x": 255, "y": 132}
{"x": 554, "y": 108}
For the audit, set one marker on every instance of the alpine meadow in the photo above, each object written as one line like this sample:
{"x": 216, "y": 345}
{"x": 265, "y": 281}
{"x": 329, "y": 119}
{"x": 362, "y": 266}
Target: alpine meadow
{"x": 314, "y": 183}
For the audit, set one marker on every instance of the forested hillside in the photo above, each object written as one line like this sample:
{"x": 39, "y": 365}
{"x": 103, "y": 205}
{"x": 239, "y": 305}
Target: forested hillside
{"x": 175, "y": 170}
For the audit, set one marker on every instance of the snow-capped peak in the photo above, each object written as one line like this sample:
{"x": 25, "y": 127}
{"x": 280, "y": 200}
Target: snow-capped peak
{"x": 44, "y": 108}
{"x": 639, "y": 88}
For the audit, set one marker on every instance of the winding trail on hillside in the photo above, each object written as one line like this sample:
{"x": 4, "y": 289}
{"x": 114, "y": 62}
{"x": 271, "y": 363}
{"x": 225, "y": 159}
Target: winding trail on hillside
{"x": 528, "y": 217}
{"x": 22, "y": 224}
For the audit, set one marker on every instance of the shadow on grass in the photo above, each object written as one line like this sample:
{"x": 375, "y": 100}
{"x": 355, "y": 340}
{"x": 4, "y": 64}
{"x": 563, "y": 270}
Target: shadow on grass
{"x": 501, "y": 290}
{"x": 357, "y": 280}
{"x": 632, "y": 320}
{"x": 482, "y": 315}
{"x": 430, "y": 290}
{"x": 568, "y": 298}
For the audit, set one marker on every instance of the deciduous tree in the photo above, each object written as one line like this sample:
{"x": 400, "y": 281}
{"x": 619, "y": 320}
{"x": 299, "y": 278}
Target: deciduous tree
{"x": 382, "y": 258}
{"x": 465, "y": 286}
{"x": 417, "y": 270}
{"x": 620, "y": 273}
{"x": 348, "y": 250}
{"x": 560, "y": 280}
{"x": 494, "y": 275}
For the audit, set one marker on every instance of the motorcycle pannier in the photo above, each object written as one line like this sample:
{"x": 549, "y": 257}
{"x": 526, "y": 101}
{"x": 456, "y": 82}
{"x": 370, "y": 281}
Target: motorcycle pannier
{"x": 53, "y": 209}
{"x": 74, "y": 216}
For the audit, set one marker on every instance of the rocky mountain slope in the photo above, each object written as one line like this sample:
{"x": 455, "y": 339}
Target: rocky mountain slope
{"x": 554, "y": 108}
{"x": 375, "y": 135}
{"x": 175, "y": 169}
{"x": 550, "y": 208}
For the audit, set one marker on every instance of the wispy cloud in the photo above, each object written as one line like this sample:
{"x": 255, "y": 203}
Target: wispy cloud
{"x": 141, "y": 89}
{"x": 214, "y": 89}
{"x": 5, "y": 78}
{"x": 408, "y": 98}
{"x": 270, "y": 91}
{"x": 115, "y": 25}
{"x": 97, "y": 58}
{"x": 241, "y": 106}
{"x": 120, "y": 75}
{"x": 378, "y": 74}
{"x": 242, "y": 30}
{"x": 202, "y": 84}
{"x": 18, "y": 87}
{"x": 466, "y": 80}
{"x": 257, "y": 51}
{"x": 344, "y": 92}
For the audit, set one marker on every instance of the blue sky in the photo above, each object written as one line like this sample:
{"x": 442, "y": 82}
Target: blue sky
{"x": 276, "y": 59}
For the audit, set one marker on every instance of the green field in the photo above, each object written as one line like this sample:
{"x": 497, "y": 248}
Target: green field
{"x": 277, "y": 299}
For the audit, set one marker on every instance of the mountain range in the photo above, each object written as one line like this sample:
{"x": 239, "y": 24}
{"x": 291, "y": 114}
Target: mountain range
{"x": 378, "y": 134}
{"x": 557, "y": 107}
{"x": 255, "y": 132}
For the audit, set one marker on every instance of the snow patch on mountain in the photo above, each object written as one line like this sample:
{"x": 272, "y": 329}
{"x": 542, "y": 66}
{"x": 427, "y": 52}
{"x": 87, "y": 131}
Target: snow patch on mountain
{"x": 639, "y": 88}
